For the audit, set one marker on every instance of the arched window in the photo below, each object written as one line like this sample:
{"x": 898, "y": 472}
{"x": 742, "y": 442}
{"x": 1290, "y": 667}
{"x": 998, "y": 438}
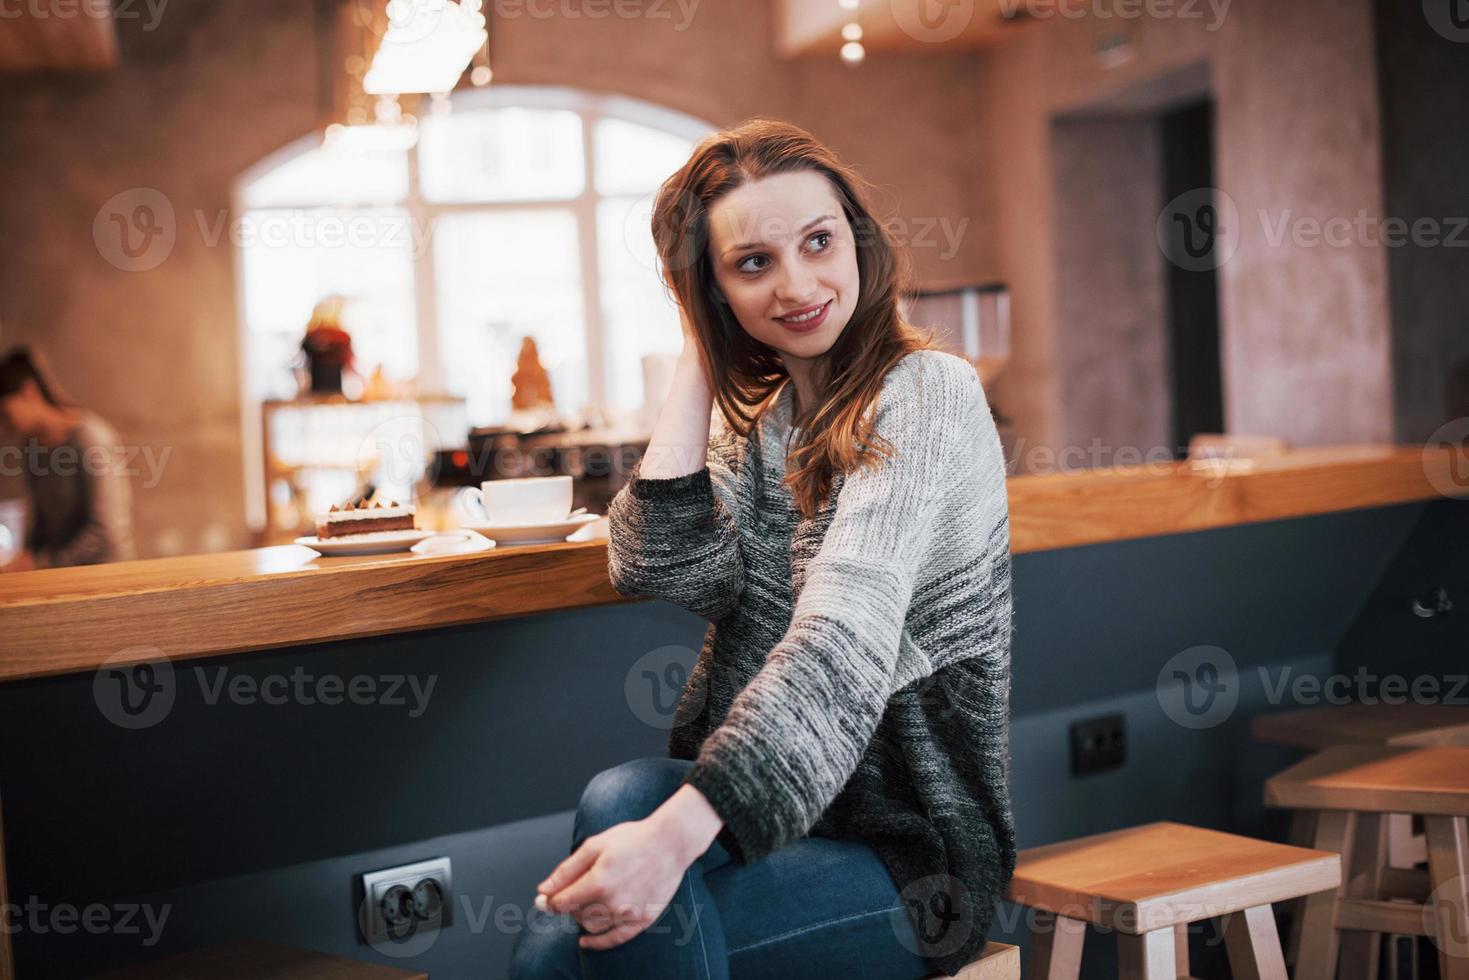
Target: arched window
{"x": 522, "y": 212}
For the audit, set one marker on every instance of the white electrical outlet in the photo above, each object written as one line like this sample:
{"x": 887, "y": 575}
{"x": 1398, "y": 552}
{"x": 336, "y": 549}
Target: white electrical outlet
{"x": 398, "y": 903}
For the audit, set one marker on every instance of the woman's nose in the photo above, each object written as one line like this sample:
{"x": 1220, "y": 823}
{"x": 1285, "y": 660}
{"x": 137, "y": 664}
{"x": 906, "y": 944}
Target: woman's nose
{"x": 796, "y": 287}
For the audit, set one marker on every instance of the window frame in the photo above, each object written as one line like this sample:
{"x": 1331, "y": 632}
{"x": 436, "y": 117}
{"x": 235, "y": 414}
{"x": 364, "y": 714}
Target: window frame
{"x": 591, "y": 107}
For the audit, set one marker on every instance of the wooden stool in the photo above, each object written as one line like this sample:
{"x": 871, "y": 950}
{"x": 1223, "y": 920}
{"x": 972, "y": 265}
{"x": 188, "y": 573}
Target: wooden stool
{"x": 1361, "y": 724}
{"x": 1353, "y": 788}
{"x": 1149, "y": 883}
{"x": 261, "y": 961}
{"x": 997, "y": 962}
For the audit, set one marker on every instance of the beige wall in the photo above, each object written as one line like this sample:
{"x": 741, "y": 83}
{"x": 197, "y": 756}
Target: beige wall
{"x": 1304, "y": 330}
{"x": 222, "y": 83}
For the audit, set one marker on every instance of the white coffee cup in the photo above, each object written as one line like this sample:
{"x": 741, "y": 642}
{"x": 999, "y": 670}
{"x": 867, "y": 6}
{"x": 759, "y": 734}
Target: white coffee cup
{"x": 523, "y": 500}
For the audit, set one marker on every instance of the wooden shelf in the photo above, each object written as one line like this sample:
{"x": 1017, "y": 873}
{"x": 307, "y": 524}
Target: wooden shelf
{"x": 76, "y": 619}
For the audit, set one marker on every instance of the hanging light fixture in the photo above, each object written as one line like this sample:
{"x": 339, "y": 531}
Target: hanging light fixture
{"x": 852, "y": 50}
{"x": 427, "y": 46}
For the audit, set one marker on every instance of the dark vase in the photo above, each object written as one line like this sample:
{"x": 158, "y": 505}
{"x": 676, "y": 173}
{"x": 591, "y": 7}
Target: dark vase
{"x": 326, "y": 376}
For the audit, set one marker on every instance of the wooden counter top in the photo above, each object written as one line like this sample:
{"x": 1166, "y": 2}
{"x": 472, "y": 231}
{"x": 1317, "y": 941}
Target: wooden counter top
{"x": 74, "y": 619}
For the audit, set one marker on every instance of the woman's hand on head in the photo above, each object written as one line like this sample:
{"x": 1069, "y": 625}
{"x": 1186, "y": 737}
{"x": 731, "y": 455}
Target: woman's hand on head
{"x": 616, "y": 883}
{"x": 690, "y": 339}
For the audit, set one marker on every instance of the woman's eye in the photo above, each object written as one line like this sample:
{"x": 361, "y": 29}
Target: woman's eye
{"x": 823, "y": 234}
{"x": 744, "y": 263}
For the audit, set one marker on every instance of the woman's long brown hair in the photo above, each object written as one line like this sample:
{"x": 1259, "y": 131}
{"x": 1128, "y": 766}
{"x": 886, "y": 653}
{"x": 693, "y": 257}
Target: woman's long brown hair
{"x": 23, "y": 363}
{"x": 745, "y": 373}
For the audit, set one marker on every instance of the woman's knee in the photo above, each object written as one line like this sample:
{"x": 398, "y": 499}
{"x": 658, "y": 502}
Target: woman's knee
{"x": 630, "y": 791}
{"x": 546, "y": 950}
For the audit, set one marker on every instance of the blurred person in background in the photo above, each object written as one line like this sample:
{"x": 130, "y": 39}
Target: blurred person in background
{"x": 80, "y": 498}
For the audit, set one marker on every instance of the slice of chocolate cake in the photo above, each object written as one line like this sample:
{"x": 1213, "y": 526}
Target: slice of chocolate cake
{"x": 342, "y": 521}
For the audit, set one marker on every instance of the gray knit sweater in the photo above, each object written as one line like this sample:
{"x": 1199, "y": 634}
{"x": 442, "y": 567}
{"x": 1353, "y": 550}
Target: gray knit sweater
{"x": 855, "y": 680}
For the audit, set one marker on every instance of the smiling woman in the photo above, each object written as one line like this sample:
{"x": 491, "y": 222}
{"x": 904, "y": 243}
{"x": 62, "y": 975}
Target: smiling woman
{"x": 836, "y": 791}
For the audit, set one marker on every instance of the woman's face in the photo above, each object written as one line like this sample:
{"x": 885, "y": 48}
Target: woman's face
{"x": 781, "y": 247}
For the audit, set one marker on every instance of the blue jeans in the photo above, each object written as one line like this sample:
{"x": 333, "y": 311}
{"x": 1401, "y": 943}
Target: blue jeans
{"x": 815, "y": 908}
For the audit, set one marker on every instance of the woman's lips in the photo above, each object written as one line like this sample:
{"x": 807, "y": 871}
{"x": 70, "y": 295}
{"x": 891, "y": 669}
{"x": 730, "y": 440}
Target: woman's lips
{"x": 807, "y": 326}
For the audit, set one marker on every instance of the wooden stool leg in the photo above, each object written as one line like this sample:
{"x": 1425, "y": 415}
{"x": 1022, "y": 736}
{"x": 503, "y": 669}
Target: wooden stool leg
{"x": 1146, "y": 957}
{"x": 1448, "y": 873}
{"x": 1335, "y": 831}
{"x": 1362, "y": 950}
{"x": 1055, "y": 948}
{"x": 1302, "y": 834}
{"x": 1180, "y": 950}
{"x": 1253, "y": 945}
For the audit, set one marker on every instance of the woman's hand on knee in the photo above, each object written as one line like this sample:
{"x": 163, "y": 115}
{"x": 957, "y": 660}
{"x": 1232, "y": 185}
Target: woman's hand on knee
{"x": 616, "y": 883}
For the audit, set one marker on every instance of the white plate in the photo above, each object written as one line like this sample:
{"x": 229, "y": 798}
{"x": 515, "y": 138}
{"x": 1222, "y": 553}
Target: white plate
{"x": 370, "y": 543}
{"x": 540, "y": 532}
{"x": 460, "y": 541}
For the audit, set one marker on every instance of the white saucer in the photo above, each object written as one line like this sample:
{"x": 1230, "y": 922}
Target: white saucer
{"x": 370, "y": 543}
{"x": 537, "y": 532}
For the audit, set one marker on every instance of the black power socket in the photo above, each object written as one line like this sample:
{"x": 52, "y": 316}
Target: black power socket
{"x": 1098, "y": 744}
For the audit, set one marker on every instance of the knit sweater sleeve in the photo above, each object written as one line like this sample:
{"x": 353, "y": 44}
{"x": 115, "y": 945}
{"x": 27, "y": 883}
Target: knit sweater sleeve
{"x": 676, "y": 538}
{"x": 796, "y": 732}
